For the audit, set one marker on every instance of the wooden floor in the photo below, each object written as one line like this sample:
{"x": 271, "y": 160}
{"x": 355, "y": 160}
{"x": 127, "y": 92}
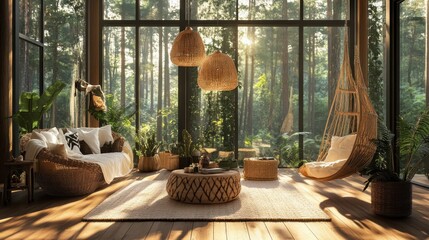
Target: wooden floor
{"x": 343, "y": 200}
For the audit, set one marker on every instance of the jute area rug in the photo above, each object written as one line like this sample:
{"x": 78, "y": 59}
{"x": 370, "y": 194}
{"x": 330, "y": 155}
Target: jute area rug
{"x": 147, "y": 200}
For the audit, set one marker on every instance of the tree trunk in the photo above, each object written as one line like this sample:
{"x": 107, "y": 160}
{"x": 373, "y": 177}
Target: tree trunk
{"x": 243, "y": 109}
{"x": 249, "y": 124}
{"x": 284, "y": 96}
{"x": 122, "y": 66}
{"x": 152, "y": 70}
{"x": 159, "y": 103}
{"x": 427, "y": 54}
{"x": 166, "y": 83}
{"x": 55, "y": 40}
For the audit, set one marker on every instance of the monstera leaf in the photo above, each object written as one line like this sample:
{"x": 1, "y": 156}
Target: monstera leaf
{"x": 32, "y": 106}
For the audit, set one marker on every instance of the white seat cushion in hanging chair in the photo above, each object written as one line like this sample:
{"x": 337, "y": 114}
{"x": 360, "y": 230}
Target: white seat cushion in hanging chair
{"x": 341, "y": 147}
{"x": 338, "y": 153}
{"x": 322, "y": 169}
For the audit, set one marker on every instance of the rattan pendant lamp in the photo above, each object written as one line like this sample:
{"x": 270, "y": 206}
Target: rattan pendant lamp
{"x": 188, "y": 47}
{"x": 218, "y": 73}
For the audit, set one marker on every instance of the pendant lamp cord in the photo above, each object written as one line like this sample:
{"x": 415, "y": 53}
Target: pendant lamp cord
{"x": 189, "y": 11}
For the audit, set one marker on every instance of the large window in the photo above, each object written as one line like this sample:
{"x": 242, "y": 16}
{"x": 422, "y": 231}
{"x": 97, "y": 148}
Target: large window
{"x": 287, "y": 53}
{"x": 413, "y": 68}
{"x": 50, "y": 47}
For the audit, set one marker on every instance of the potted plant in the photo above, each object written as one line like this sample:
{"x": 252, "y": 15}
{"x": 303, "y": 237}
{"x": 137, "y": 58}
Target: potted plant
{"x": 32, "y": 106}
{"x": 391, "y": 192}
{"x": 185, "y": 150}
{"x": 147, "y": 151}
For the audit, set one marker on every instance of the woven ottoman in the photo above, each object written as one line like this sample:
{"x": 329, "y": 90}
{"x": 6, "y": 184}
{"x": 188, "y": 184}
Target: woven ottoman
{"x": 264, "y": 170}
{"x": 203, "y": 188}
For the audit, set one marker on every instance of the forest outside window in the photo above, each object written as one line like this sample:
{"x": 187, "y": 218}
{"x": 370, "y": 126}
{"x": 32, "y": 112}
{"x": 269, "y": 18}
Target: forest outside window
{"x": 282, "y": 69}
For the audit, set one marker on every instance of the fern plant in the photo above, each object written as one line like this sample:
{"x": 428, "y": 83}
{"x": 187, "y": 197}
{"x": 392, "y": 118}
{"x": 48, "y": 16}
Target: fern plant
{"x": 413, "y": 145}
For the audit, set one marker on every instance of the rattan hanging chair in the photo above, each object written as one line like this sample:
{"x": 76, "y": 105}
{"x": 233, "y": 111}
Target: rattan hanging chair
{"x": 351, "y": 112}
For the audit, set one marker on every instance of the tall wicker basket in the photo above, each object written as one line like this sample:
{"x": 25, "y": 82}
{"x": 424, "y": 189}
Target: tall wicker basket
{"x": 168, "y": 161}
{"x": 391, "y": 199}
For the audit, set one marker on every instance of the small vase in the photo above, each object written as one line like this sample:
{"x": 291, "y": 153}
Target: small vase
{"x": 205, "y": 161}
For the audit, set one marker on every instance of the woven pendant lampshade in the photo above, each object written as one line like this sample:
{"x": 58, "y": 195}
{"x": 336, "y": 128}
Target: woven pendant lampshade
{"x": 188, "y": 49}
{"x": 218, "y": 73}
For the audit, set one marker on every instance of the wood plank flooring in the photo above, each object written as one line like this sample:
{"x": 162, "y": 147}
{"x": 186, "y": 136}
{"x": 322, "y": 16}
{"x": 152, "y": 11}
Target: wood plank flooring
{"x": 343, "y": 200}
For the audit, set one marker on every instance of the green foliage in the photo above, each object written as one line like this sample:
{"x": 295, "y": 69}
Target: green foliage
{"x": 32, "y": 106}
{"x": 288, "y": 149}
{"x": 147, "y": 145}
{"x": 187, "y": 146}
{"x": 414, "y": 144}
{"x": 381, "y": 167}
{"x": 375, "y": 48}
{"x": 120, "y": 118}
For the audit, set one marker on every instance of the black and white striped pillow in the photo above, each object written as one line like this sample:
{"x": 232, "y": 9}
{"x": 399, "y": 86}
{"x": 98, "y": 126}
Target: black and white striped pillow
{"x": 72, "y": 140}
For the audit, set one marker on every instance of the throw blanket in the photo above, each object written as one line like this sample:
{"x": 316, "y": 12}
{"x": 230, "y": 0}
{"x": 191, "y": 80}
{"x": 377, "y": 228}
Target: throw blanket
{"x": 116, "y": 164}
{"x": 33, "y": 147}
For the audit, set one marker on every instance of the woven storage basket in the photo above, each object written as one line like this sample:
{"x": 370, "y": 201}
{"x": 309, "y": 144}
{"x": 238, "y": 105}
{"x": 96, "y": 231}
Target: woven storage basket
{"x": 391, "y": 199}
{"x": 168, "y": 161}
{"x": 260, "y": 169}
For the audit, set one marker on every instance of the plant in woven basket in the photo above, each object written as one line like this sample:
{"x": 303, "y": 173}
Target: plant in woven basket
{"x": 147, "y": 149}
{"x": 391, "y": 192}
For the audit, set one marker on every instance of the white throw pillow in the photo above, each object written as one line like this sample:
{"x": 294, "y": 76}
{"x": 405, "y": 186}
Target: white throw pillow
{"x": 37, "y": 135}
{"x": 341, "y": 147}
{"x": 104, "y": 134}
{"x": 51, "y": 135}
{"x": 90, "y": 136}
{"x": 72, "y": 146}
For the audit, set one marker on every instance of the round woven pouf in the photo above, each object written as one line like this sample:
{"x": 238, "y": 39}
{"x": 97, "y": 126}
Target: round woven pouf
{"x": 203, "y": 188}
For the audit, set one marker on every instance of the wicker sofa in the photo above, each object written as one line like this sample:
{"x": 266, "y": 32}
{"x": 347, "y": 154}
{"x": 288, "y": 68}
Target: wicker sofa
{"x": 61, "y": 176}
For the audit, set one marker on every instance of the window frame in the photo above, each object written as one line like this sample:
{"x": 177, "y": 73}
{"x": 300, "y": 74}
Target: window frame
{"x": 184, "y": 86}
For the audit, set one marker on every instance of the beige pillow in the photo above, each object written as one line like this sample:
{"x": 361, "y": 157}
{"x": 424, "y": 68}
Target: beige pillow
{"x": 341, "y": 147}
{"x": 58, "y": 149}
{"x": 51, "y": 135}
{"x": 36, "y": 135}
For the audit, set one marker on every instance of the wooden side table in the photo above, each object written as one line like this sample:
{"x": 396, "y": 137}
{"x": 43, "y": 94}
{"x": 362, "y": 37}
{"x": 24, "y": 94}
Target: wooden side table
{"x": 9, "y": 167}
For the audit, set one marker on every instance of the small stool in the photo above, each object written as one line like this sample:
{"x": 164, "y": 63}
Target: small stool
{"x": 9, "y": 167}
{"x": 255, "y": 169}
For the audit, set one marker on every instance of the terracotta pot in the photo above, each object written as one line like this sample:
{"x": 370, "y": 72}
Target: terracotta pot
{"x": 391, "y": 199}
{"x": 148, "y": 164}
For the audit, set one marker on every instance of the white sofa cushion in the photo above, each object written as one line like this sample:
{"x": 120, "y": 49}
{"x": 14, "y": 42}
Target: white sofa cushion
{"x": 104, "y": 134}
{"x": 90, "y": 136}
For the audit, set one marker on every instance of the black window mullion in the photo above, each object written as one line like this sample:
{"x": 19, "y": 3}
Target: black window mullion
{"x": 41, "y": 53}
{"x": 301, "y": 82}
{"x": 137, "y": 66}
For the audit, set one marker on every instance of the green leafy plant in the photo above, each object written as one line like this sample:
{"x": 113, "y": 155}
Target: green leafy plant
{"x": 32, "y": 106}
{"x": 120, "y": 118}
{"x": 146, "y": 143}
{"x": 288, "y": 149}
{"x": 186, "y": 146}
{"x": 413, "y": 145}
